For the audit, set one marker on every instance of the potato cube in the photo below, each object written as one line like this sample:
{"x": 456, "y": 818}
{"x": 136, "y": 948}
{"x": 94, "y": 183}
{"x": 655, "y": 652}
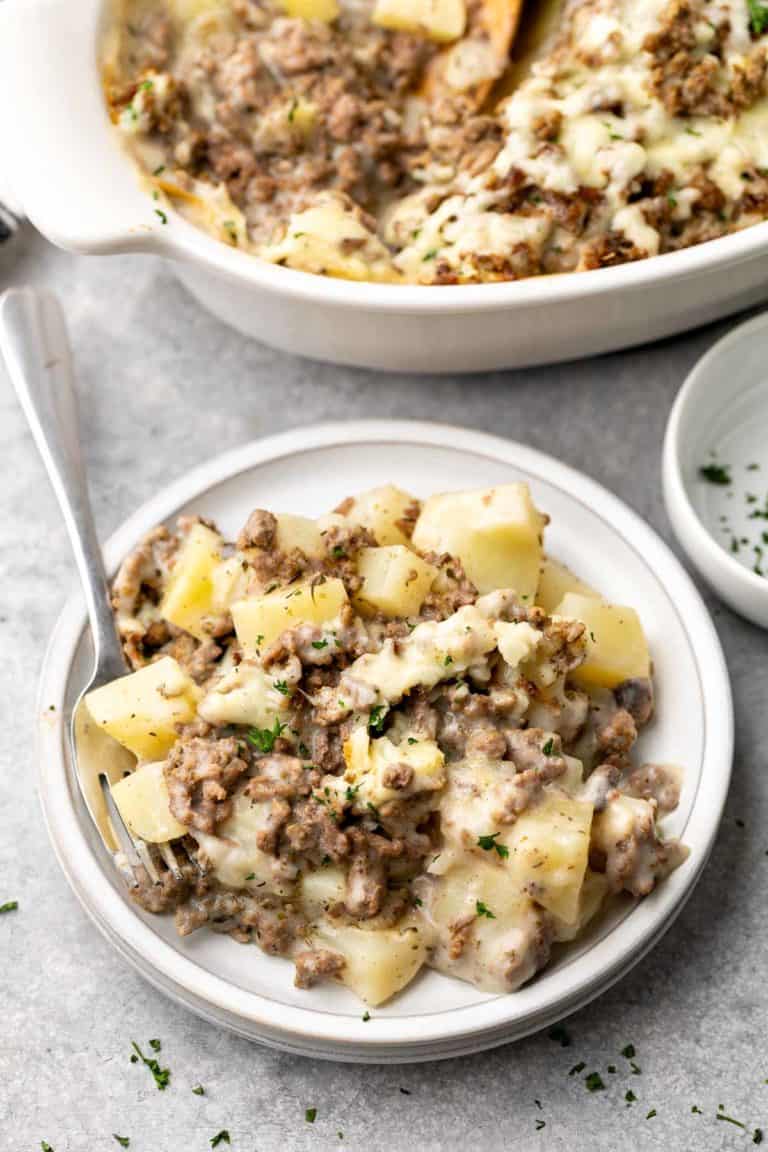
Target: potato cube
{"x": 556, "y": 581}
{"x": 617, "y": 649}
{"x": 324, "y": 10}
{"x": 259, "y": 620}
{"x": 395, "y": 580}
{"x": 593, "y": 893}
{"x": 380, "y": 962}
{"x": 234, "y": 854}
{"x": 142, "y": 801}
{"x": 299, "y": 532}
{"x": 188, "y": 597}
{"x": 381, "y": 510}
{"x": 141, "y": 711}
{"x": 441, "y": 20}
{"x": 495, "y": 532}
{"x": 229, "y": 582}
{"x": 549, "y": 848}
{"x": 321, "y": 890}
{"x": 370, "y": 762}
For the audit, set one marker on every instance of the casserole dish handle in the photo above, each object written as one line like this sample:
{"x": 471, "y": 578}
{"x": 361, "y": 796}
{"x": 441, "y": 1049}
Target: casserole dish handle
{"x": 60, "y": 154}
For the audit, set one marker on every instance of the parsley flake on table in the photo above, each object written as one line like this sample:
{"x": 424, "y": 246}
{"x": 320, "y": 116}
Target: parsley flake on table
{"x": 310, "y": 1115}
{"x": 162, "y": 1075}
{"x": 484, "y": 910}
{"x": 650, "y": 1115}
{"x": 155, "y": 1045}
{"x": 594, "y": 1082}
{"x": 199, "y": 1090}
{"x": 757, "y": 1136}
{"x": 540, "y": 1124}
{"x": 9, "y": 906}
{"x": 563, "y": 1037}
{"x": 577, "y": 1068}
{"x": 488, "y": 844}
{"x": 45, "y": 1146}
{"x": 123, "y": 1141}
{"x": 406, "y": 1091}
{"x": 628, "y": 1052}
{"x": 630, "y": 1097}
{"x": 220, "y": 1138}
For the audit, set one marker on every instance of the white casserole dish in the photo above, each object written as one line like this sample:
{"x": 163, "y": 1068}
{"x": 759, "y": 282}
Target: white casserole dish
{"x": 75, "y": 183}
{"x": 251, "y": 993}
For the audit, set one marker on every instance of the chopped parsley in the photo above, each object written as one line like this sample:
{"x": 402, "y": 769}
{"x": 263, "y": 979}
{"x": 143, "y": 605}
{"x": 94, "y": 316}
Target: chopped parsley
{"x": 45, "y": 1146}
{"x": 484, "y": 910}
{"x": 155, "y": 1045}
{"x": 351, "y": 792}
{"x": 488, "y": 844}
{"x": 417, "y": 900}
{"x": 338, "y": 552}
{"x": 429, "y": 255}
{"x": 162, "y": 1075}
{"x": 123, "y": 1141}
{"x": 281, "y": 686}
{"x": 198, "y": 1089}
{"x": 716, "y": 473}
{"x": 310, "y": 1115}
{"x": 650, "y": 1115}
{"x": 628, "y": 1052}
{"x": 304, "y": 751}
{"x": 251, "y": 876}
{"x": 378, "y": 715}
{"x": 562, "y": 1036}
{"x": 320, "y": 643}
{"x": 366, "y": 1016}
{"x": 9, "y": 906}
{"x": 540, "y": 1124}
{"x": 630, "y": 1097}
{"x": 159, "y": 170}
{"x": 220, "y": 1138}
{"x": 757, "y": 1136}
{"x": 577, "y": 1068}
{"x": 594, "y": 1082}
{"x": 547, "y": 749}
{"x": 406, "y": 1091}
{"x": 758, "y": 17}
{"x": 146, "y": 85}
{"x": 448, "y": 661}
{"x": 161, "y": 215}
{"x": 635, "y": 1070}
{"x": 696, "y": 1111}
{"x": 413, "y": 740}
{"x": 264, "y": 738}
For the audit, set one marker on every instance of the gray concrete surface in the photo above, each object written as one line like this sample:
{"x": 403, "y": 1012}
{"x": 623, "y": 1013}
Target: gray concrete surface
{"x": 163, "y": 386}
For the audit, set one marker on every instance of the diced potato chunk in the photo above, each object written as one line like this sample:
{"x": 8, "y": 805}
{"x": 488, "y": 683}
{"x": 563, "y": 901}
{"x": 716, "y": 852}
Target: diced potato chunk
{"x": 617, "y": 649}
{"x": 591, "y": 898}
{"x": 244, "y": 695}
{"x": 321, "y": 890}
{"x": 381, "y": 510}
{"x": 441, "y": 20}
{"x": 189, "y": 595}
{"x": 186, "y": 10}
{"x": 549, "y": 848}
{"x": 556, "y": 581}
{"x": 323, "y": 10}
{"x": 261, "y": 619}
{"x": 495, "y": 532}
{"x": 395, "y": 580}
{"x": 234, "y": 854}
{"x": 299, "y": 532}
{"x": 141, "y": 711}
{"x": 380, "y": 962}
{"x": 229, "y": 582}
{"x": 142, "y": 801}
{"x": 370, "y": 761}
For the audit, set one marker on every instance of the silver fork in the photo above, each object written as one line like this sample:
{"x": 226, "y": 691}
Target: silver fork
{"x": 35, "y": 347}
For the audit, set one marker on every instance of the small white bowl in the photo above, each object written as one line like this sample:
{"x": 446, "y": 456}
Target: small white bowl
{"x": 719, "y": 424}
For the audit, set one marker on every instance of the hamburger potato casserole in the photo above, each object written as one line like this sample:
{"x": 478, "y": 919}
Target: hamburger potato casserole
{"x": 373, "y": 139}
{"x": 399, "y": 735}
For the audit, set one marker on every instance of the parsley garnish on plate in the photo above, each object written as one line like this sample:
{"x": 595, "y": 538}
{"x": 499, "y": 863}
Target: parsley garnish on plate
{"x": 488, "y": 844}
{"x": 758, "y": 17}
{"x": 484, "y": 910}
{"x": 716, "y": 473}
{"x": 162, "y": 1075}
{"x": 220, "y": 1138}
{"x": 264, "y": 738}
{"x": 378, "y": 715}
{"x": 123, "y": 1141}
{"x": 9, "y": 906}
{"x": 310, "y": 1115}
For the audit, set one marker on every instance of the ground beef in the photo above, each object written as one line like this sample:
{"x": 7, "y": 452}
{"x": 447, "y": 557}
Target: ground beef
{"x": 616, "y": 737}
{"x": 201, "y": 772}
{"x": 366, "y": 886}
{"x": 315, "y": 965}
{"x": 451, "y": 588}
{"x": 636, "y": 697}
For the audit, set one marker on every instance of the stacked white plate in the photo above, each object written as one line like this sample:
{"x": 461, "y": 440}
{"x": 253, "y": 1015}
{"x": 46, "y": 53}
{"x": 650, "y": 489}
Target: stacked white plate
{"x": 308, "y": 472}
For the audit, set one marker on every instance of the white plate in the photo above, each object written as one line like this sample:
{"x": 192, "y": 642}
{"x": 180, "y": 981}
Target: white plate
{"x": 309, "y": 471}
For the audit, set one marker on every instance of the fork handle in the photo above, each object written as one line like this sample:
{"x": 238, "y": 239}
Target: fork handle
{"x": 35, "y": 347}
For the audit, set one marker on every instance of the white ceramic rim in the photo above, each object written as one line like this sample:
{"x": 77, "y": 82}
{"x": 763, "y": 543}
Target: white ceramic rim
{"x": 126, "y": 220}
{"x": 427, "y": 1036}
{"x": 714, "y": 561}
